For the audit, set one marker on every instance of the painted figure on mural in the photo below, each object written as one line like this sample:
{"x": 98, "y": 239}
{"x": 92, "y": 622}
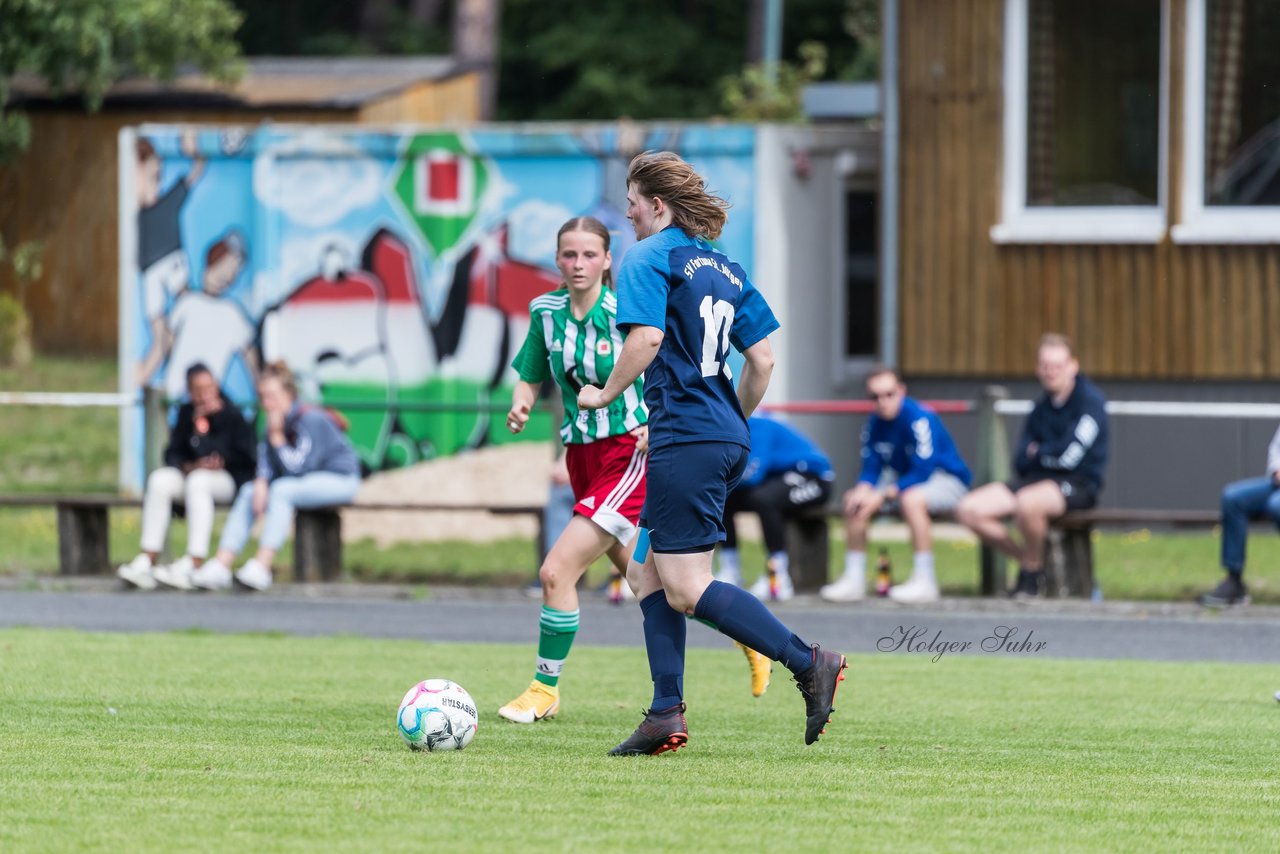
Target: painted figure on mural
{"x": 210, "y": 326}
{"x": 162, "y": 261}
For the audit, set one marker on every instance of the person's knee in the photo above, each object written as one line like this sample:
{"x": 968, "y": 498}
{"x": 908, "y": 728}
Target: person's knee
{"x": 681, "y": 599}
{"x": 555, "y": 573}
{"x": 969, "y": 512}
{"x": 165, "y": 481}
{"x": 1232, "y": 497}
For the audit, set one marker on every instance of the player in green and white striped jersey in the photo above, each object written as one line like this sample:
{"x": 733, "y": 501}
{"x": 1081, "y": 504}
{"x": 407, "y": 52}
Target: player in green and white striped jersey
{"x": 573, "y": 339}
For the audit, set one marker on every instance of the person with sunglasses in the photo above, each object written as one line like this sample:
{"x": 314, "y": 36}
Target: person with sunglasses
{"x": 908, "y": 460}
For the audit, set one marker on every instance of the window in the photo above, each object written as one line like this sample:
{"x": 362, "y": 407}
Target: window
{"x": 1084, "y": 109}
{"x": 1231, "y": 158}
{"x": 861, "y": 275}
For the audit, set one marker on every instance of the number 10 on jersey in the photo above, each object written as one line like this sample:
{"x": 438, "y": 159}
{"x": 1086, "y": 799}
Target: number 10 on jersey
{"x": 717, "y": 320}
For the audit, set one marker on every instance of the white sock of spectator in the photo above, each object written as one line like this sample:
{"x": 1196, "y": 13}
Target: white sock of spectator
{"x": 855, "y": 566}
{"x": 922, "y": 567}
{"x": 730, "y": 567}
{"x": 781, "y": 566}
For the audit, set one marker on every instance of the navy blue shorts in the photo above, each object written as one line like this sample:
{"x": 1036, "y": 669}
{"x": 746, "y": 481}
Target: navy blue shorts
{"x": 684, "y": 500}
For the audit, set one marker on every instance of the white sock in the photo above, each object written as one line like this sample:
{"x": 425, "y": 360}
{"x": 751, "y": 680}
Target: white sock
{"x": 922, "y": 567}
{"x": 855, "y": 566}
{"x": 779, "y": 562}
{"x": 730, "y": 563}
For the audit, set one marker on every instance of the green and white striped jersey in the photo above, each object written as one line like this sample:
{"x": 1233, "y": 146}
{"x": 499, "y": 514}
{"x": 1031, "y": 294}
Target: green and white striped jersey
{"x": 576, "y": 353}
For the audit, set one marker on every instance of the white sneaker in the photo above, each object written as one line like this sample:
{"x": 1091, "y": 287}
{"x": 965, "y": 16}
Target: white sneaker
{"x": 176, "y": 574}
{"x": 254, "y": 575}
{"x": 847, "y": 588}
{"x": 138, "y": 572}
{"x": 212, "y": 575}
{"x": 782, "y": 588}
{"x": 915, "y": 590}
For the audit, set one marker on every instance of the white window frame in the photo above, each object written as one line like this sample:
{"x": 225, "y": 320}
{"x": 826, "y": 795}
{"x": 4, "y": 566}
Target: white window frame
{"x": 1020, "y": 223}
{"x": 1201, "y": 223}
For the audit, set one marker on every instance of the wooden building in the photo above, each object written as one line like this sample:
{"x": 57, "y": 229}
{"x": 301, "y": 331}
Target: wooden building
{"x": 63, "y": 191}
{"x": 1105, "y": 168}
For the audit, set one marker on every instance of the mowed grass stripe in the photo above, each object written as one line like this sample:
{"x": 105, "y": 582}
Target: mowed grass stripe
{"x": 281, "y": 743}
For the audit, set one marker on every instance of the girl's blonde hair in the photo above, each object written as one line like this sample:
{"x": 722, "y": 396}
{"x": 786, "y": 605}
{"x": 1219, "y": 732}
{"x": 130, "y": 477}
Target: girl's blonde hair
{"x": 667, "y": 176}
{"x": 279, "y": 371}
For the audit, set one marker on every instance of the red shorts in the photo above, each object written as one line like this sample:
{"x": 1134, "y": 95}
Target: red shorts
{"x": 608, "y": 479}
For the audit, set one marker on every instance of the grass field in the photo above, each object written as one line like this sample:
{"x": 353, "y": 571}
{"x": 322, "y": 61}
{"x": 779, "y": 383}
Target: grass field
{"x": 262, "y": 742}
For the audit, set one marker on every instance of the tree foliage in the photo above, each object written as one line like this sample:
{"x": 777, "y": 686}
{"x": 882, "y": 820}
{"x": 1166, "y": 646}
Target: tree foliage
{"x": 83, "y": 46}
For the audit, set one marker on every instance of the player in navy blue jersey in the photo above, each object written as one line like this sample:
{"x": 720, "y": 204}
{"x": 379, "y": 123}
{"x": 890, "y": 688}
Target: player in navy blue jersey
{"x": 683, "y": 303}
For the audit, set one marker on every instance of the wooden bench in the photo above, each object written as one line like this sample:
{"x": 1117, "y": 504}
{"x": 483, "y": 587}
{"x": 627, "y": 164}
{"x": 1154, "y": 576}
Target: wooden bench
{"x": 1068, "y": 559}
{"x": 1069, "y": 564}
{"x": 84, "y": 532}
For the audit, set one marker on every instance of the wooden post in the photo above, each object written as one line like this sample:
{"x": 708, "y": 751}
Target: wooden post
{"x": 992, "y": 466}
{"x": 808, "y": 551}
{"x": 155, "y": 428}
{"x": 317, "y": 545}
{"x": 83, "y": 539}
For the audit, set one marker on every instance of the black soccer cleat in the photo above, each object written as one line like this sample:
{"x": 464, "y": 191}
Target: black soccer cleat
{"x": 1231, "y": 592}
{"x": 818, "y": 684}
{"x": 657, "y": 733}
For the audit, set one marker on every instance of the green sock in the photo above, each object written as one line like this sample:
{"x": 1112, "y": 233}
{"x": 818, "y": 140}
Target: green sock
{"x": 557, "y": 631}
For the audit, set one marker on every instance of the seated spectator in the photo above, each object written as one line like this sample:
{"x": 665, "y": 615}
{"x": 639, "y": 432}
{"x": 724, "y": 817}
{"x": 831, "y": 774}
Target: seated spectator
{"x": 786, "y": 473}
{"x": 304, "y": 461}
{"x": 1252, "y": 498}
{"x": 908, "y": 457}
{"x": 209, "y": 456}
{"x": 1059, "y": 461}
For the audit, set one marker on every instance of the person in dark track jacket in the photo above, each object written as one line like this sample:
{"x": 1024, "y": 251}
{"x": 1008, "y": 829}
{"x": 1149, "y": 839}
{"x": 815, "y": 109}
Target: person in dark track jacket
{"x": 210, "y": 455}
{"x": 1060, "y": 461}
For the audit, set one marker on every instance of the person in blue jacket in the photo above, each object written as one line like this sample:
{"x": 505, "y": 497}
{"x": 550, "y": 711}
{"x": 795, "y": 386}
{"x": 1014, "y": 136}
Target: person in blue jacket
{"x": 908, "y": 457}
{"x": 786, "y": 472}
{"x": 1059, "y": 461}
{"x": 304, "y": 461}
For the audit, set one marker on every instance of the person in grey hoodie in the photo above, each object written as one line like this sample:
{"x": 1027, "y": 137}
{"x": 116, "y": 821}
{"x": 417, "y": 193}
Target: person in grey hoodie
{"x": 1243, "y": 500}
{"x": 304, "y": 461}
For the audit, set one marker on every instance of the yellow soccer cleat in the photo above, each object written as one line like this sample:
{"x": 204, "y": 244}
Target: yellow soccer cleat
{"x": 537, "y": 702}
{"x": 761, "y": 669}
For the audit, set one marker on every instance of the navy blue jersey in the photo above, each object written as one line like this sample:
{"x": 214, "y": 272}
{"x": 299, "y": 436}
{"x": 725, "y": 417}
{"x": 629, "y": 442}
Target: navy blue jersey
{"x": 915, "y": 444}
{"x": 1070, "y": 439}
{"x": 703, "y": 302}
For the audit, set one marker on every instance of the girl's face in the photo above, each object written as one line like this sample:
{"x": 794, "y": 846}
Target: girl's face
{"x": 273, "y": 395}
{"x": 205, "y": 394}
{"x": 643, "y": 212}
{"x": 582, "y": 260}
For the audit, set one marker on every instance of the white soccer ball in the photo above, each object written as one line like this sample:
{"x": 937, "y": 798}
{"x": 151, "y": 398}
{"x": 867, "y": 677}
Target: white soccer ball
{"x": 437, "y": 714}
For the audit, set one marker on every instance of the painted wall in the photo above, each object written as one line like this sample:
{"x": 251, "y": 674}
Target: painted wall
{"x": 391, "y": 270}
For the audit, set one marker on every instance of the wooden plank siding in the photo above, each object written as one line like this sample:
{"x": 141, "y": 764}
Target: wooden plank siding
{"x": 63, "y": 192}
{"x": 972, "y": 308}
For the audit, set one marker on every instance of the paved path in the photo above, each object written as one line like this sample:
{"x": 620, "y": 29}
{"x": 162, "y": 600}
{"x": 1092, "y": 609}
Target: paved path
{"x": 1168, "y": 632}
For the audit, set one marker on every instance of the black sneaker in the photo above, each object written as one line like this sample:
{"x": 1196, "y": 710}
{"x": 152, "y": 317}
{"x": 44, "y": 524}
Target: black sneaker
{"x": 1230, "y": 592}
{"x": 1030, "y": 585}
{"x": 657, "y": 733}
{"x": 818, "y": 684}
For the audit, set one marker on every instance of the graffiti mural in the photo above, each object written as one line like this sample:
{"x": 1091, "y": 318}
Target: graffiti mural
{"x": 392, "y": 271}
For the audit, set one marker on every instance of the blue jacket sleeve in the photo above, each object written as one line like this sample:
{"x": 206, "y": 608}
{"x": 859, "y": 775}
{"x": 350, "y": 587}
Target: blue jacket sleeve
{"x": 872, "y": 465}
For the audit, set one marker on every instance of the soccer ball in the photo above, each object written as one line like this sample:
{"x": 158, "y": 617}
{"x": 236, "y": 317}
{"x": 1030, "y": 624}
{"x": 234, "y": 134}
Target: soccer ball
{"x": 437, "y": 715}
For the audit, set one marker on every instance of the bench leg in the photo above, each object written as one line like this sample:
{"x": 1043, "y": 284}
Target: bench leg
{"x": 83, "y": 540}
{"x": 994, "y": 574}
{"x": 808, "y": 553}
{"x": 317, "y": 545}
{"x": 1068, "y": 562}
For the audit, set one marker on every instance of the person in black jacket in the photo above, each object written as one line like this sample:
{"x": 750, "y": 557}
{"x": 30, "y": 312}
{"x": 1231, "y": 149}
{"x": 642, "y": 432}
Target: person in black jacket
{"x": 211, "y": 453}
{"x": 1060, "y": 460}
